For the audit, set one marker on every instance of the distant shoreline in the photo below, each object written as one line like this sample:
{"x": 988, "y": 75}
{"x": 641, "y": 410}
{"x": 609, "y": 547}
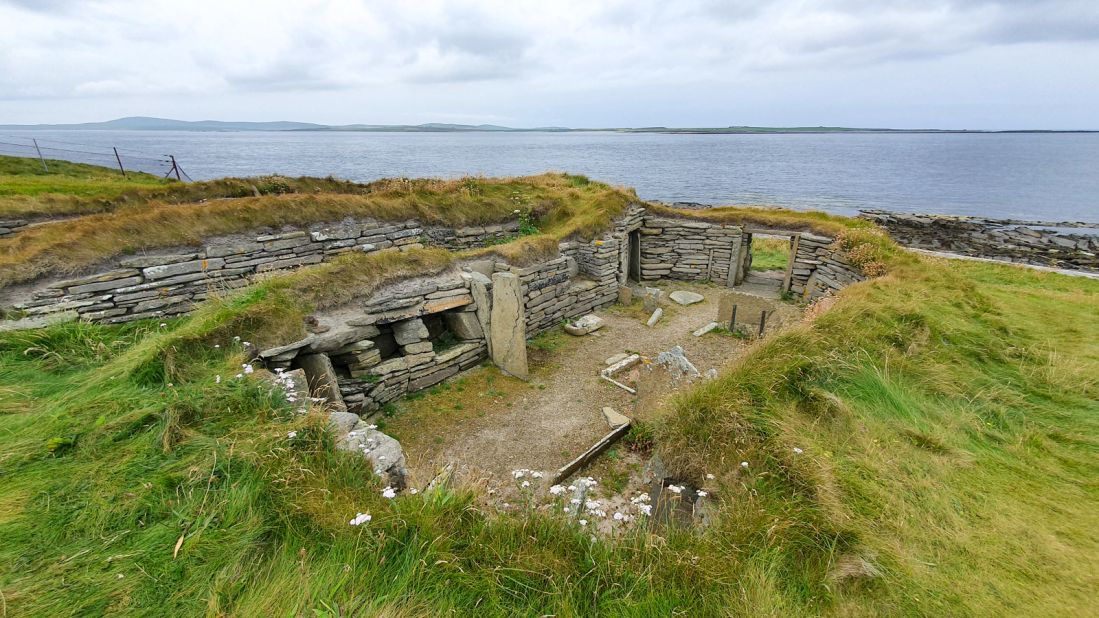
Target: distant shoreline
{"x": 166, "y": 124}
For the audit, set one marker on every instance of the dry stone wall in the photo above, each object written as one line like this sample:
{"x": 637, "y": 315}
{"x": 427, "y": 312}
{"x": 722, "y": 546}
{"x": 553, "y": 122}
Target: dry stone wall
{"x": 584, "y": 278}
{"x": 818, "y": 269}
{"x": 471, "y": 236}
{"x": 688, "y": 250}
{"x": 11, "y": 226}
{"x": 170, "y": 283}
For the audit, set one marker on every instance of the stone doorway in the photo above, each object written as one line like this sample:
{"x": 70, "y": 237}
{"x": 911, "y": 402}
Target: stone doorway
{"x": 633, "y": 268}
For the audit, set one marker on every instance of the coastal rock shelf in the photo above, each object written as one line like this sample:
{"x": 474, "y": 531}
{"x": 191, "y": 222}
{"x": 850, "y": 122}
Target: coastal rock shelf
{"x": 1043, "y": 244}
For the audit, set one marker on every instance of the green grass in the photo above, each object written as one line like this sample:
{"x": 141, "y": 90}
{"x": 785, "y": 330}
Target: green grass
{"x": 947, "y": 415}
{"x": 770, "y": 253}
{"x": 25, "y": 177}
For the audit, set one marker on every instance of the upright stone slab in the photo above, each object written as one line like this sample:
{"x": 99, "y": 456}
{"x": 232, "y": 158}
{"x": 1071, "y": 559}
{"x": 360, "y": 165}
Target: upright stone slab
{"x": 478, "y": 288}
{"x": 322, "y": 378}
{"x": 725, "y": 308}
{"x": 507, "y": 328}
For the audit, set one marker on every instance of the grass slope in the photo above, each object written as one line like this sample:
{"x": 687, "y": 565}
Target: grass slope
{"x": 564, "y": 205}
{"x": 948, "y": 431}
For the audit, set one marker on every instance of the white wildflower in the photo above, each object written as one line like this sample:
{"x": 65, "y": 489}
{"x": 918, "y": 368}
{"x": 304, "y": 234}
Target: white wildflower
{"x": 674, "y": 488}
{"x": 619, "y": 516}
{"x": 217, "y": 346}
{"x": 798, "y": 451}
{"x": 591, "y": 504}
{"x": 245, "y": 343}
{"x": 743, "y": 464}
{"x": 413, "y": 491}
{"x": 702, "y": 494}
{"x": 389, "y": 492}
{"x": 217, "y": 379}
{"x": 163, "y": 325}
{"x": 237, "y": 338}
{"x": 557, "y": 490}
{"x": 248, "y": 368}
{"x": 518, "y": 473}
{"x": 710, "y": 477}
{"x": 575, "y": 501}
{"x": 525, "y": 484}
{"x": 536, "y": 474}
{"x": 239, "y": 376}
{"x": 646, "y": 509}
{"x": 360, "y": 519}
{"x": 291, "y": 434}
{"x": 583, "y": 522}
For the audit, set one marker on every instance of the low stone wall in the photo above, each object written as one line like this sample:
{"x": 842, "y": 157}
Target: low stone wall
{"x": 471, "y": 236}
{"x": 1006, "y": 240}
{"x": 170, "y": 282}
{"x": 556, "y": 291}
{"x": 818, "y": 269}
{"x": 688, "y": 250}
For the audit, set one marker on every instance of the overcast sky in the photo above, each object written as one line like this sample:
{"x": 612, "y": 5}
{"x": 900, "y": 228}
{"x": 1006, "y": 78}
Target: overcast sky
{"x": 886, "y": 63}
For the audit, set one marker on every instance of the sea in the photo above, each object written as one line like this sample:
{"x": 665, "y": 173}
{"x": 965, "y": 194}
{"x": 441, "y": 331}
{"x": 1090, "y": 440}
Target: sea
{"x": 1032, "y": 176}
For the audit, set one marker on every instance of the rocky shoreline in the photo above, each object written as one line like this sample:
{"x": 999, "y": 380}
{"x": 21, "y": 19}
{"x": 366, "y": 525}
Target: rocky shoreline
{"x": 1031, "y": 242}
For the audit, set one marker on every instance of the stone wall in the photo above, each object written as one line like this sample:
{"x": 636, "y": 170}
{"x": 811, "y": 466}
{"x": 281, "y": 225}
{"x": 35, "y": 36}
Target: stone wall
{"x": 688, "y": 250}
{"x": 1057, "y": 244}
{"x": 584, "y": 278}
{"x": 170, "y": 282}
{"x": 471, "y": 236}
{"x": 406, "y": 337}
{"x": 817, "y": 269}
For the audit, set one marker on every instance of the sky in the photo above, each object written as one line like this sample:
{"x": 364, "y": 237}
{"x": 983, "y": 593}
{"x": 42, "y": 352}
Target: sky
{"x": 976, "y": 64}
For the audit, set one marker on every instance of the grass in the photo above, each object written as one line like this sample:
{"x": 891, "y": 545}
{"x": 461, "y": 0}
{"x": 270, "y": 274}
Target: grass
{"x": 948, "y": 430}
{"x": 25, "y": 188}
{"x": 771, "y": 218}
{"x": 770, "y": 253}
{"x": 561, "y": 207}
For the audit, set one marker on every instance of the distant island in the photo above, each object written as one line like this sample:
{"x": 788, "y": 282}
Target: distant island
{"x": 143, "y": 123}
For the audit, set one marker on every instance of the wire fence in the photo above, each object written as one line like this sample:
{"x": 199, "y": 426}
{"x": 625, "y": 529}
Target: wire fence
{"x": 122, "y": 159}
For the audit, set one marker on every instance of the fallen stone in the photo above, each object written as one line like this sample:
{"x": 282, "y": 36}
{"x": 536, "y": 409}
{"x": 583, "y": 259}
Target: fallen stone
{"x": 384, "y": 453}
{"x": 621, "y": 356}
{"x": 655, "y": 317}
{"x": 705, "y": 329}
{"x": 38, "y": 321}
{"x": 676, "y": 362}
{"x": 341, "y": 423}
{"x": 613, "y": 418}
{"x": 587, "y": 324}
{"x": 684, "y": 297}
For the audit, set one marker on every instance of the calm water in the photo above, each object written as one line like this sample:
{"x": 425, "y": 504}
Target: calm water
{"x": 1047, "y": 177}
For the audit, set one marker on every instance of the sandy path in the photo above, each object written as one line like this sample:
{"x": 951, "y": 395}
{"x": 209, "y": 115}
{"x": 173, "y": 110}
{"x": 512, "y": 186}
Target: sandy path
{"x": 544, "y": 424}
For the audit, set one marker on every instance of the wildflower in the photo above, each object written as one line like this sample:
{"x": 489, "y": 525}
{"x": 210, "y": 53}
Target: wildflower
{"x": 591, "y": 504}
{"x": 646, "y": 509}
{"x": 619, "y": 516}
{"x": 291, "y": 434}
{"x": 217, "y": 346}
{"x": 237, "y": 338}
{"x": 163, "y": 325}
{"x": 567, "y": 509}
{"x": 246, "y": 344}
{"x": 506, "y": 505}
{"x": 413, "y": 491}
{"x": 525, "y": 484}
{"x": 217, "y": 379}
{"x": 536, "y": 474}
{"x": 518, "y": 473}
{"x": 248, "y": 368}
{"x": 515, "y": 212}
{"x": 360, "y": 519}
{"x": 389, "y": 492}
{"x": 572, "y": 488}
{"x": 743, "y": 464}
{"x": 710, "y": 477}
{"x": 583, "y": 522}
{"x": 557, "y": 490}
{"x": 371, "y": 427}
{"x": 674, "y": 488}
{"x": 702, "y": 494}
{"x": 239, "y": 376}
{"x": 798, "y": 451}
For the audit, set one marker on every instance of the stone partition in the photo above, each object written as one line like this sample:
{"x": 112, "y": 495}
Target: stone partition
{"x": 1068, "y": 245}
{"x": 569, "y": 287}
{"x": 688, "y": 250}
{"x": 817, "y": 269}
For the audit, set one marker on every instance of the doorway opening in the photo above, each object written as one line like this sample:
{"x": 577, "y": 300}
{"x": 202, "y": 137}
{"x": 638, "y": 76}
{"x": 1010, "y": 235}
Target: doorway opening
{"x": 633, "y": 271}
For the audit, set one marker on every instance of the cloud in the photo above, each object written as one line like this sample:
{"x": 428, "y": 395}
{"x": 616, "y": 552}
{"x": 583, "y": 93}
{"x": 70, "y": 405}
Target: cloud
{"x": 500, "y": 57}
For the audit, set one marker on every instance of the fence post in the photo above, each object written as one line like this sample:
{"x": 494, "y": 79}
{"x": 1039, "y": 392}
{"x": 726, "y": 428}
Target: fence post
{"x": 119, "y": 159}
{"x": 732, "y": 321}
{"x": 175, "y": 168}
{"x": 762, "y": 321}
{"x": 40, "y": 157}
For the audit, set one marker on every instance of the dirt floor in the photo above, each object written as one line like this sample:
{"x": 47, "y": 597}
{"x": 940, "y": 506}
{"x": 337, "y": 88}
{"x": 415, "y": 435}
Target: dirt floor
{"x": 486, "y": 424}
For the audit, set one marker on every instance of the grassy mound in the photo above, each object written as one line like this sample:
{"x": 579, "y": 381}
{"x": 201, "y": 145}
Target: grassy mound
{"x": 563, "y": 205}
{"x": 946, "y": 432}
